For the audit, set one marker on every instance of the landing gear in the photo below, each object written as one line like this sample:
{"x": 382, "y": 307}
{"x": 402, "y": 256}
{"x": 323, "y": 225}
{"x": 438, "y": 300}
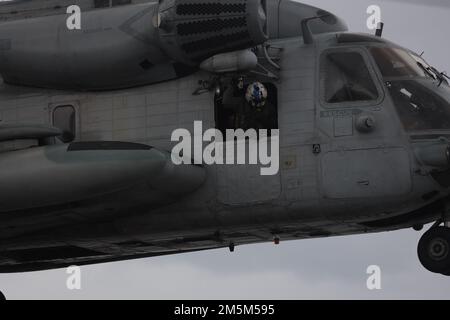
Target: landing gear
{"x": 434, "y": 250}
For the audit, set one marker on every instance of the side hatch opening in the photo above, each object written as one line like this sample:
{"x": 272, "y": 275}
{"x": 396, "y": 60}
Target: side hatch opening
{"x": 64, "y": 118}
{"x": 243, "y": 104}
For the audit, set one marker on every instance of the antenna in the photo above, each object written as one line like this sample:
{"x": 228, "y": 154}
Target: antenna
{"x": 380, "y": 28}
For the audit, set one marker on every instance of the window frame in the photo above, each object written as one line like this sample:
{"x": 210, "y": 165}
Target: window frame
{"x": 53, "y": 107}
{"x": 373, "y": 72}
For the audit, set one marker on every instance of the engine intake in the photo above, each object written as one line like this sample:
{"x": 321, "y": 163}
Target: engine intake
{"x": 191, "y": 31}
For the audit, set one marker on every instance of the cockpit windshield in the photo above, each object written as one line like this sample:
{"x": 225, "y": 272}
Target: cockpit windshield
{"x": 394, "y": 62}
{"x": 421, "y": 104}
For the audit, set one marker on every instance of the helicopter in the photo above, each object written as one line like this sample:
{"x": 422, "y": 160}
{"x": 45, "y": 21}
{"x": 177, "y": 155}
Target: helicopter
{"x": 91, "y": 166}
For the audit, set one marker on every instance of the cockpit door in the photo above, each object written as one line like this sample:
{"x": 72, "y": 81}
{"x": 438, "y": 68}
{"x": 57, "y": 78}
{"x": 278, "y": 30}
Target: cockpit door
{"x": 362, "y": 155}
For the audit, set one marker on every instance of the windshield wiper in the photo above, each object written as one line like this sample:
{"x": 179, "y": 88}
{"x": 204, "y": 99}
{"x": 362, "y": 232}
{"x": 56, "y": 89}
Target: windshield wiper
{"x": 441, "y": 76}
{"x": 427, "y": 71}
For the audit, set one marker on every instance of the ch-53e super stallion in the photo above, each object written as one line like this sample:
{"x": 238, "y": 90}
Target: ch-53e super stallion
{"x": 88, "y": 171}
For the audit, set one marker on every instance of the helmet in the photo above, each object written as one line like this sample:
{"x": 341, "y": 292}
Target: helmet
{"x": 256, "y": 94}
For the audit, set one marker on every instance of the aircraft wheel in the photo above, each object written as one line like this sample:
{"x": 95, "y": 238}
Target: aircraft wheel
{"x": 434, "y": 250}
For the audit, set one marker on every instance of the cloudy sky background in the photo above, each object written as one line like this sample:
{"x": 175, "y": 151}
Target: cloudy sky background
{"x": 333, "y": 268}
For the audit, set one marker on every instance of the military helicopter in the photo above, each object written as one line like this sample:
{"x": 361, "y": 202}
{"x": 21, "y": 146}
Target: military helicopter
{"x": 87, "y": 119}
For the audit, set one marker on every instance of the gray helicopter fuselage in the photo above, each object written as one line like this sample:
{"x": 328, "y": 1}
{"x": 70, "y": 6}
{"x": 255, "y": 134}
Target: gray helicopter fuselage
{"x": 345, "y": 167}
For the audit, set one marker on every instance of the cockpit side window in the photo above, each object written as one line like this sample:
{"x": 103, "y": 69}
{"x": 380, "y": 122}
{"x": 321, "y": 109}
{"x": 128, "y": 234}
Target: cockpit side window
{"x": 345, "y": 77}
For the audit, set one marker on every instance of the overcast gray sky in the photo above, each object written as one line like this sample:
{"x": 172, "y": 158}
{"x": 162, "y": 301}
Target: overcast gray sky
{"x": 333, "y": 268}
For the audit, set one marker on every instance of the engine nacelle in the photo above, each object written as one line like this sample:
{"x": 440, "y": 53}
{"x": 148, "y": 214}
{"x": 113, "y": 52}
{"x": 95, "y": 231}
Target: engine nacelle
{"x": 127, "y": 46}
